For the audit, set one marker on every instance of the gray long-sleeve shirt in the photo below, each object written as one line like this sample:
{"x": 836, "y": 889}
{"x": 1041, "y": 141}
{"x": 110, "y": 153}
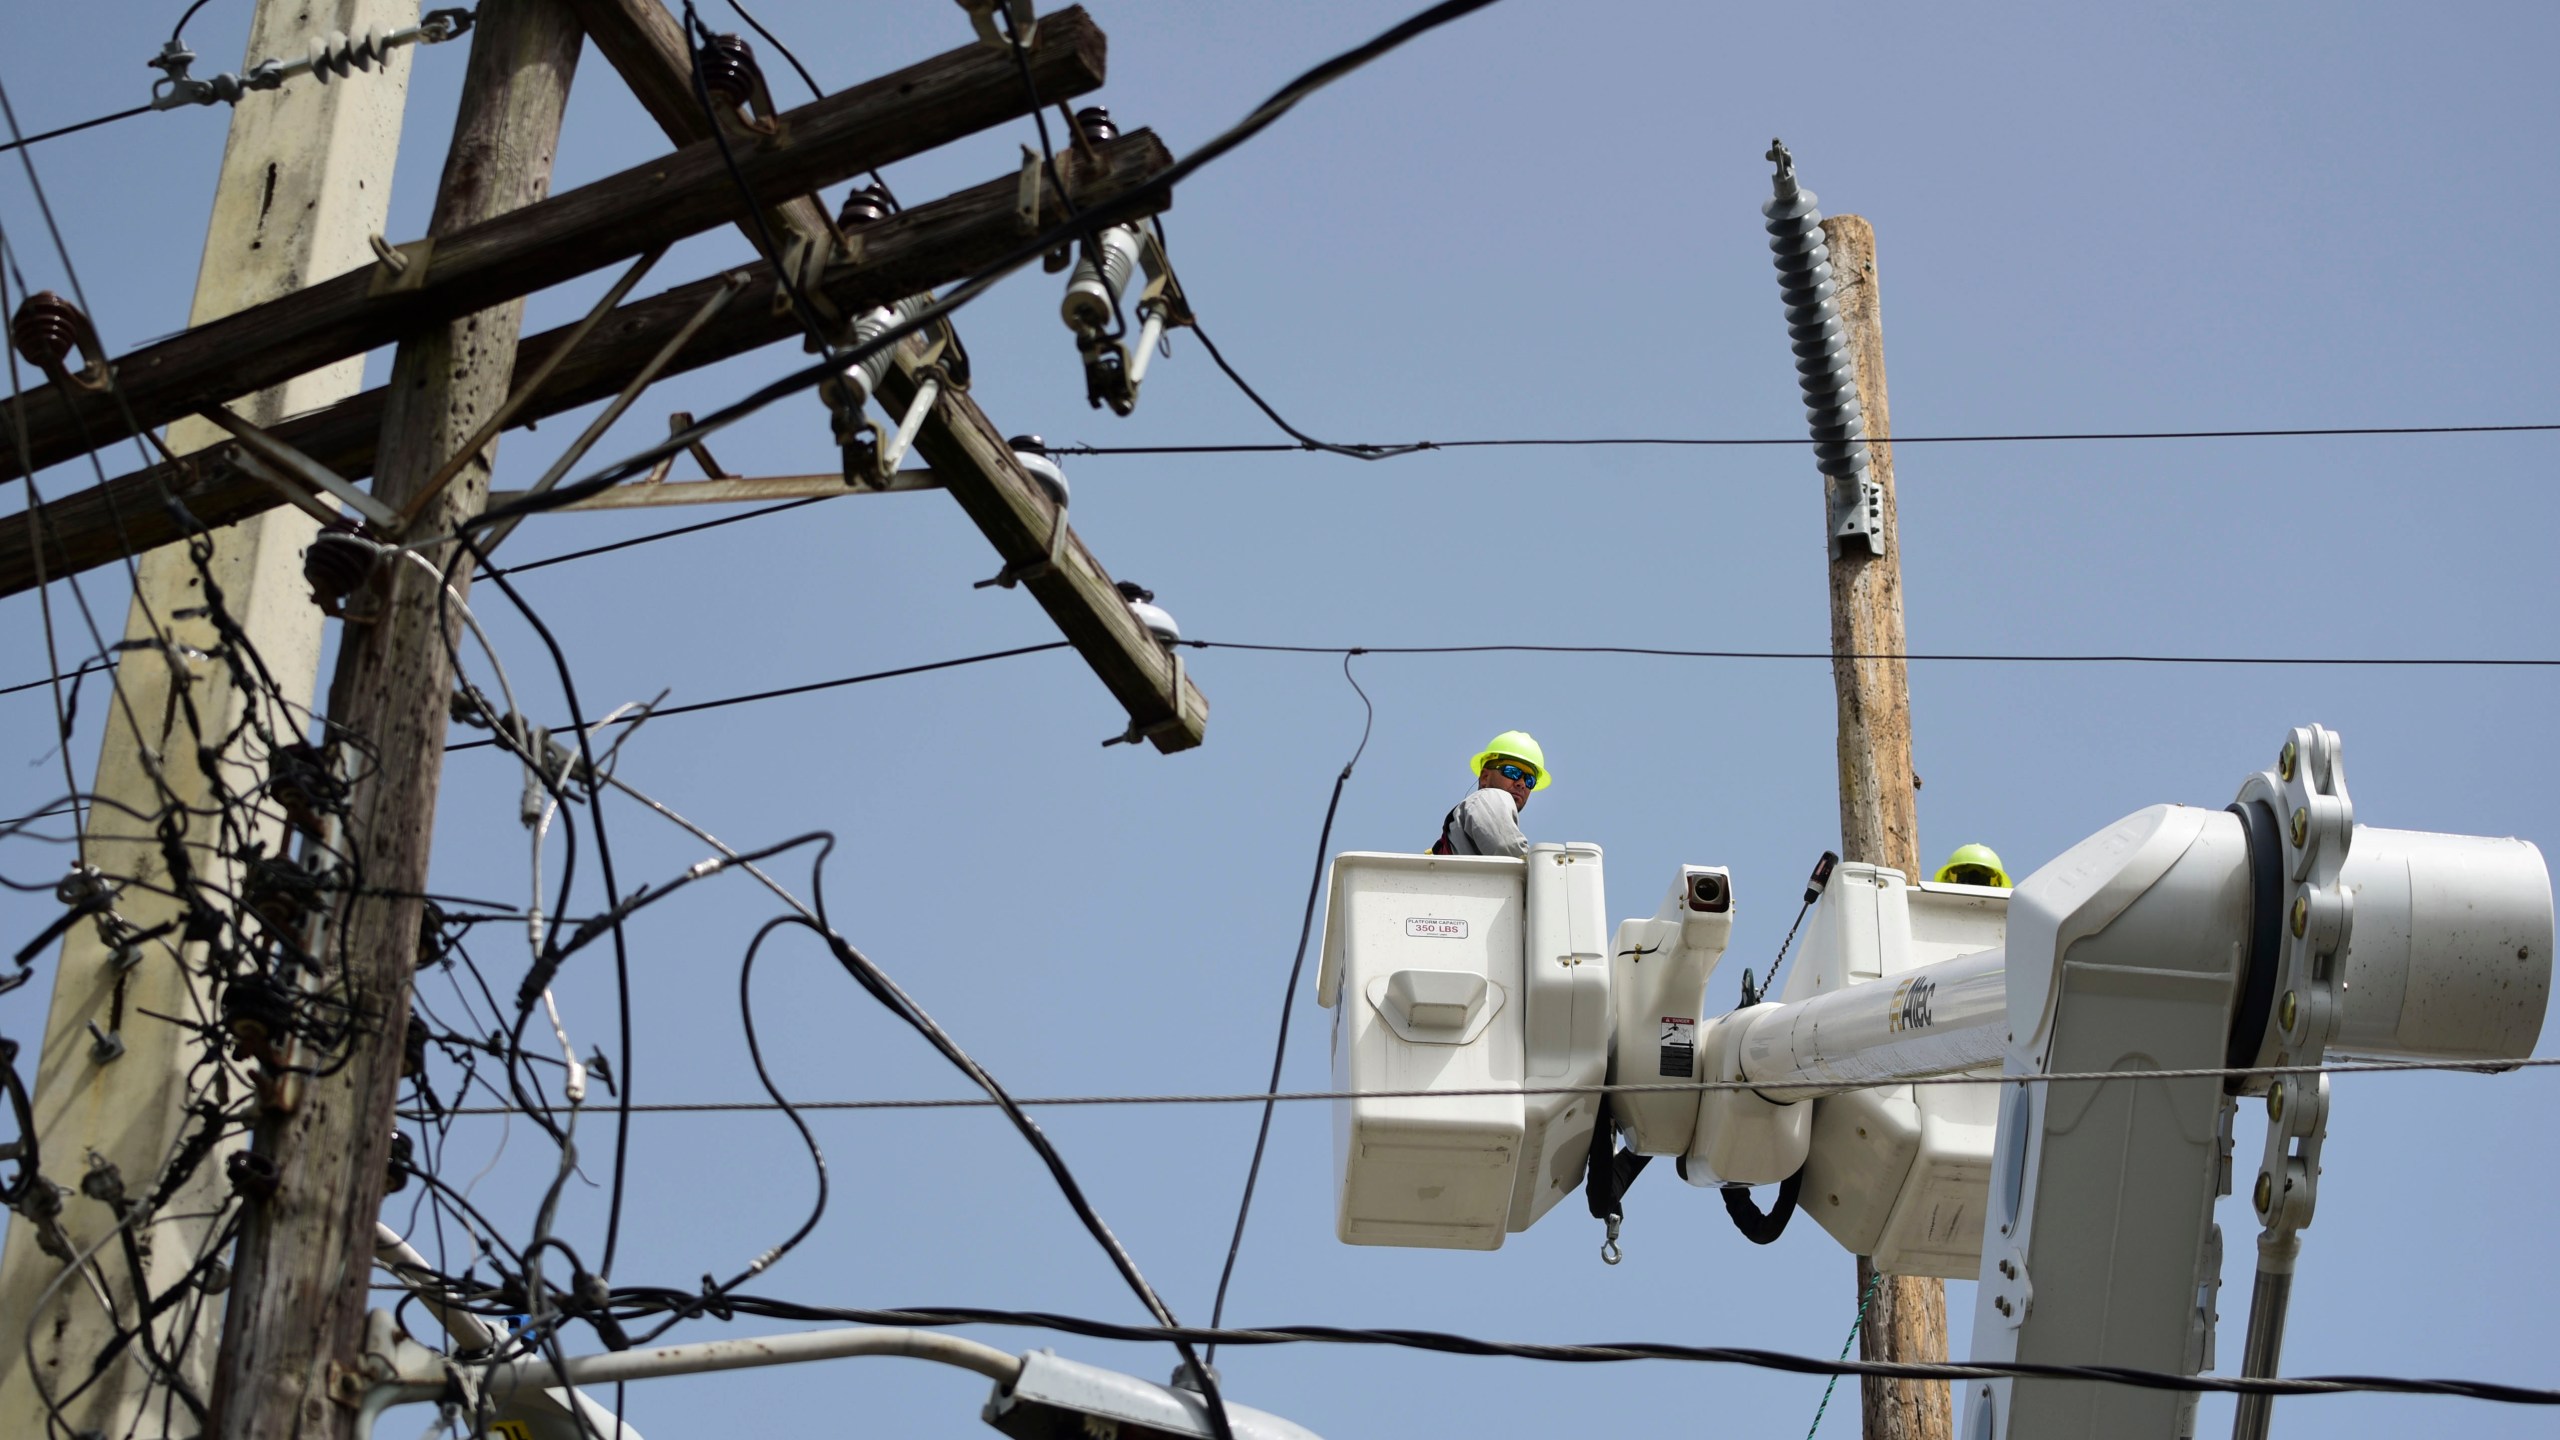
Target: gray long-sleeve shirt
{"x": 1486, "y": 823}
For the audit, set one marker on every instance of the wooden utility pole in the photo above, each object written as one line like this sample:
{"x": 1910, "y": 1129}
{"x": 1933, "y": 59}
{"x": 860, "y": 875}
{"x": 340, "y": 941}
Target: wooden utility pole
{"x": 304, "y": 181}
{"x": 306, "y": 1252}
{"x": 1906, "y": 1315}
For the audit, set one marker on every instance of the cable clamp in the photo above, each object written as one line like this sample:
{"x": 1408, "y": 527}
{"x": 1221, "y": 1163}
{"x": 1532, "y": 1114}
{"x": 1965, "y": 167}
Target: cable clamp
{"x": 1173, "y": 699}
{"x": 1040, "y": 569}
{"x": 982, "y": 18}
{"x": 1026, "y": 201}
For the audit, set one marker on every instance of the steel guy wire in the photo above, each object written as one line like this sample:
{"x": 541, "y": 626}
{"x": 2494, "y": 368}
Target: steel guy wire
{"x": 1809, "y": 1089}
{"x": 71, "y": 273}
{"x": 63, "y": 712}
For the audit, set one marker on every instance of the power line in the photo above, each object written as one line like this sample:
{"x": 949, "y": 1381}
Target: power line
{"x": 667, "y": 710}
{"x": 1654, "y": 652}
{"x": 1622, "y": 1351}
{"x": 75, "y": 129}
{"x": 1256, "y": 1097}
{"x": 1289, "y": 995}
{"x": 1411, "y": 447}
{"x": 1987, "y": 658}
{"x": 92, "y": 668}
{"x": 655, "y": 535}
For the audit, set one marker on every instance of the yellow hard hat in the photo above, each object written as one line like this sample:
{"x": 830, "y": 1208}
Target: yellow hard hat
{"x": 1517, "y": 745}
{"x": 1971, "y": 856}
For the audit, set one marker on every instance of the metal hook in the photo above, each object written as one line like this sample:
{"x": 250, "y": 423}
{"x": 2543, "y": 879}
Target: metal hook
{"x": 1610, "y": 1254}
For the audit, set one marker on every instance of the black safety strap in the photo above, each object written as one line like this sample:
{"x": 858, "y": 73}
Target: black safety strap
{"x": 1610, "y": 1170}
{"x": 1757, "y": 1228}
{"x": 1444, "y": 845}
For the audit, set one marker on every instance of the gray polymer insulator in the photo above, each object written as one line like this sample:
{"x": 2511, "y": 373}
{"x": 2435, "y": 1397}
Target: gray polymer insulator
{"x": 1824, "y": 370}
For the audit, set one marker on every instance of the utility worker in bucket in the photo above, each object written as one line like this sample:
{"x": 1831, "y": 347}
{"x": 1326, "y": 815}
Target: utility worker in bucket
{"x": 1487, "y": 822}
{"x": 1973, "y": 865}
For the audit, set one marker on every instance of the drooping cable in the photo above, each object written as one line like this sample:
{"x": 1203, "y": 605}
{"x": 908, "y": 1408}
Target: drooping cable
{"x": 698, "y": 35}
{"x": 1306, "y": 442}
{"x": 1289, "y": 1001}
{"x": 613, "y": 902}
{"x": 815, "y": 90}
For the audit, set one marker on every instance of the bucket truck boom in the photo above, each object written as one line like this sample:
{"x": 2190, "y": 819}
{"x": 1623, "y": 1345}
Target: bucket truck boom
{"x": 2072, "y": 1178}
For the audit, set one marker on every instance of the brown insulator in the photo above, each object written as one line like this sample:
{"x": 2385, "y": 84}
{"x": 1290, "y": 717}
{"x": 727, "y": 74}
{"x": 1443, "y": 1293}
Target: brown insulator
{"x": 300, "y": 781}
{"x": 48, "y": 328}
{"x": 1096, "y": 124}
{"x": 337, "y": 565}
{"x": 729, "y": 70}
{"x": 866, "y": 206}
{"x": 253, "y": 1176}
{"x": 259, "y": 1015}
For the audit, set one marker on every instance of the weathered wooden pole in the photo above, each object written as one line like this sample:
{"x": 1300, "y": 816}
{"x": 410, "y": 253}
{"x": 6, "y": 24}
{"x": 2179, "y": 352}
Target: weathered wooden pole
{"x": 1906, "y": 1316}
{"x": 289, "y": 1368}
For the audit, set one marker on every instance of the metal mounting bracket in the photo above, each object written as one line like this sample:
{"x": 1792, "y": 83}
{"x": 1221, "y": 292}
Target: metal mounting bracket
{"x": 1857, "y": 516}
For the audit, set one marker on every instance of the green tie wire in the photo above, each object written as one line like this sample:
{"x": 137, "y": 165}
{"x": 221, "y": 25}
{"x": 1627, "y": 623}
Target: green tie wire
{"x": 1854, "y": 1326}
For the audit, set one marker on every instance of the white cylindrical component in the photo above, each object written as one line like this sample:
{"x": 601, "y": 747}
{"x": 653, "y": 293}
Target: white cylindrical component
{"x": 1934, "y": 1020}
{"x": 1149, "y": 334}
{"x": 1101, "y": 273}
{"x": 616, "y": 1367}
{"x": 2449, "y": 957}
{"x": 397, "y": 1255}
{"x": 861, "y": 380}
{"x": 1742, "y": 1135}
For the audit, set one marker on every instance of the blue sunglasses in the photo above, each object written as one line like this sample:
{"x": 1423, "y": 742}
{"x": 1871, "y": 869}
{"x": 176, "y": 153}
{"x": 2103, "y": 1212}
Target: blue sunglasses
{"x": 1514, "y": 772}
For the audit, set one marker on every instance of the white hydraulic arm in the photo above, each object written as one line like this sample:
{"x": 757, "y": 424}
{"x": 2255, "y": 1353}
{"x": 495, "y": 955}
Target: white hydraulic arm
{"x": 2274, "y": 933}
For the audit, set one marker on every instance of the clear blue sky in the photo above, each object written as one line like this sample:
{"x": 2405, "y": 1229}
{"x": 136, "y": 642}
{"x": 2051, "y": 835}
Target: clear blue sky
{"x": 1541, "y": 221}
